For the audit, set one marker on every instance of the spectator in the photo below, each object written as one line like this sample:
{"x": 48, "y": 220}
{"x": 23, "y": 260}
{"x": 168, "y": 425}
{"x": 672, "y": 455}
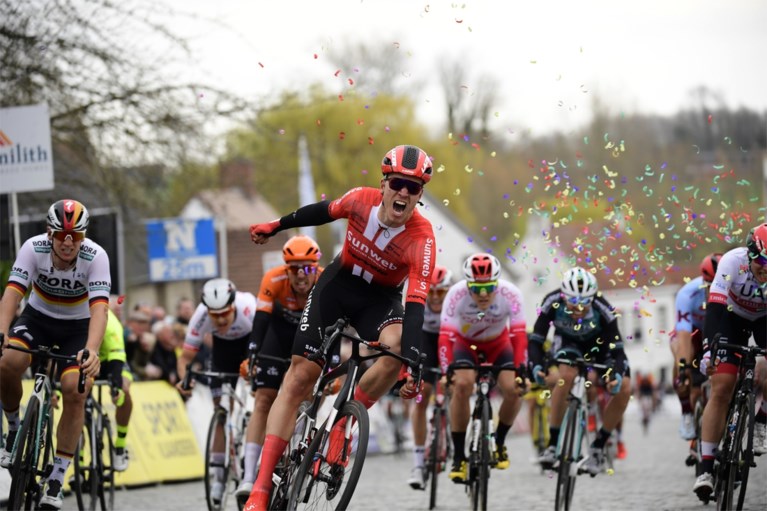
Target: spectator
{"x": 162, "y": 361}
{"x": 184, "y": 311}
{"x": 139, "y": 341}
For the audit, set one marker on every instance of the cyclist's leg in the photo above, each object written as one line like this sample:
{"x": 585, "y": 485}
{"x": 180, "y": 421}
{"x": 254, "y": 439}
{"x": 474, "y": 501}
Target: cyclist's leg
{"x": 460, "y": 409}
{"x": 13, "y": 364}
{"x": 418, "y": 413}
{"x": 499, "y": 352}
{"x": 122, "y": 419}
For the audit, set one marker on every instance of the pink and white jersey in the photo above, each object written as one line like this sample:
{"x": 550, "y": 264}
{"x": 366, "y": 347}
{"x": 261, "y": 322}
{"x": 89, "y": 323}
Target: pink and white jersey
{"x": 736, "y": 287}
{"x": 461, "y": 316}
{"x": 201, "y": 323}
{"x": 67, "y": 294}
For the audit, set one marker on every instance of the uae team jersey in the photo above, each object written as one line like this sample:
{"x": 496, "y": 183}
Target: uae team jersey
{"x": 382, "y": 255}
{"x": 735, "y": 286}
{"x": 67, "y": 294}
{"x": 276, "y": 290}
{"x": 201, "y": 323}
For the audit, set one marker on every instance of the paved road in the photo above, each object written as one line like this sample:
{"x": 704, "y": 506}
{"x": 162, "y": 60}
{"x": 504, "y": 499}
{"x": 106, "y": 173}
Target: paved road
{"x": 653, "y": 477}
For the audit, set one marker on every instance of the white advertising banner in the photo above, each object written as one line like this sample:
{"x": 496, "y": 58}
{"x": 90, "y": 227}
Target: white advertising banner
{"x": 26, "y": 157}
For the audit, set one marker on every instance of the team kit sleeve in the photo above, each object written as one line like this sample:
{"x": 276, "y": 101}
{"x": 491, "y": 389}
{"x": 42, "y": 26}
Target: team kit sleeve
{"x": 420, "y": 266}
{"x": 517, "y": 328}
{"x": 24, "y": 269}
{"x": 198, "y": 326}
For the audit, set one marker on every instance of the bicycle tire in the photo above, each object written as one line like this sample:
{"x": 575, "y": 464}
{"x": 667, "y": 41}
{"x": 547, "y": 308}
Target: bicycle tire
{"x": 86, "y": 471}
{"x": 106, "y": 464}
{"x": 290, "y": 461}
{"x": 727, "y": 473}
{"x": 218, "y": 418}
{"x": 318, "y": 484}
{"x": 568, "y": 459}
{"x": 436, "y": 446}
{"x": 24, "y": 488}
{"x": 484, "y": 455}
{"x": 745, "y": 447}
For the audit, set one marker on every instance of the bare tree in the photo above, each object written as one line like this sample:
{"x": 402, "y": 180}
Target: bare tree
{"x": 468, "y": 102}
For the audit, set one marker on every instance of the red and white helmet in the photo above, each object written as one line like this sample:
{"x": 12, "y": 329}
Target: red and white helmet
{"x": 482, "y": 267}
{"x": 441, "y": 278}
{"x": 708, "y": 266}
{"x": 407, "y": 160}
{"x": 757, "y": 242}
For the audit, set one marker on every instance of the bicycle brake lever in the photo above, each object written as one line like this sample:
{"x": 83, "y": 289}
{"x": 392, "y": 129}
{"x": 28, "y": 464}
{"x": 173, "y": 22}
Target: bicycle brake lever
{"x": 81, "y": 380}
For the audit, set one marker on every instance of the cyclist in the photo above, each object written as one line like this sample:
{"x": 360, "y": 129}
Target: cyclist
{"x": 70, "y": 282}
{"x": 228, "y": 315}
{"x": 588, "y": 328}
{"x": 441, "y": 280}
{"x": 282, "y": 297}
{"x": 114, "y": 368}
{"x": 736, "y": 309}
{"x": 386, "y": 242}
{"x": 540, "y": 395}
{"x": 646, "y": 393}
{"x": 484, "y": 315}
{"x": 687, "y": 342}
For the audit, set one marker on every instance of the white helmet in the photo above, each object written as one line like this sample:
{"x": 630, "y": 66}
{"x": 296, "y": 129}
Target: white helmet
{"x": 218, "y": 294}
{"x": 579, "y": 283}
{"x": 482, "y": 267}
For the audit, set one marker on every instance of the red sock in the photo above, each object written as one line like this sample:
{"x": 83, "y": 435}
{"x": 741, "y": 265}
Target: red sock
{"x": 274, "y": 446}
{"x": 362, "y": 397}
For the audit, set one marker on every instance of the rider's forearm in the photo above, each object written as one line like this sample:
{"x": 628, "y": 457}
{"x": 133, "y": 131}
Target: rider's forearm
{"x": 311, "y": 214}
{"x": 685, "y": 346}
{"x": 8, "y": 306}
{"x": 96, "y": 327}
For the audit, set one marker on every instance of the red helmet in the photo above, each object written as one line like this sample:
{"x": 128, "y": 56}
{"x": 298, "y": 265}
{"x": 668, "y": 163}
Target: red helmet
{"x": 67, "y": 215}
{"x": 407, "y": 160}
{"x": 757, "y": 242}
{"x": 301, "y": 248}
{"x": 482, "y": 267}
{"x": 708, "y": 266}
{"x": 441, "y": 277}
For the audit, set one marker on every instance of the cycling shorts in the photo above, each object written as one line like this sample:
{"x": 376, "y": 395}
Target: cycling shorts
{"x": 572, "y": 351}
{"x": 278, "y": 342}
{"x": 226, "y": 357}
{"x": 339, "y": 294}
{"x": 497, "y": 351}
{"x": 34, "y": 329}
{"x": 738, "y": 330}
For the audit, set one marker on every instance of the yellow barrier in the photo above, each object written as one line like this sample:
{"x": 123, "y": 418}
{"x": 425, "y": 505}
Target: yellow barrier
{"x": 161, "y": 442}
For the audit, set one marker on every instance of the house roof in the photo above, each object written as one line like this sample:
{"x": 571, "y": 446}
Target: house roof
{"x": 230, "y": 205}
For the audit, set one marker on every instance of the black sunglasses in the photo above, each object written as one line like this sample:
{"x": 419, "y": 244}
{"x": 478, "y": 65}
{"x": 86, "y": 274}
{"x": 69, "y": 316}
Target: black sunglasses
{"x": 397, "y": 184}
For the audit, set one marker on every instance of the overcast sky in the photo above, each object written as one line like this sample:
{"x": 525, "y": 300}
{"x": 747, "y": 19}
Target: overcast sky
{"x": 551, "y": 57}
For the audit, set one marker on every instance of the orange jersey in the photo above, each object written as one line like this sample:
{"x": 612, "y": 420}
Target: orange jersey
{"x": 381, "y": 255}
{"x": 275, "y": 287}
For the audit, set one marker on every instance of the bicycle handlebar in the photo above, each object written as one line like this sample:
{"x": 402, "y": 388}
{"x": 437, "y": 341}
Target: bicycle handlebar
{"x": 45, "y": 352}
{"x": 81, "y": 379}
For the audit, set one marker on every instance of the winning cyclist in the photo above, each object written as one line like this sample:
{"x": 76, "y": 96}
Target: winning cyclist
{"x": 441, "y": 280}
{"x": 387, "y": 241}
{"x": 282, "y": 297}
{"x": 588, "y": 328}
{"x": 70, "y": 281}
{"x": 736, "y": 309}
{"x": 484, "y": 315}
{"x": 687, "y": 341}
{"x": 228, "y": 315}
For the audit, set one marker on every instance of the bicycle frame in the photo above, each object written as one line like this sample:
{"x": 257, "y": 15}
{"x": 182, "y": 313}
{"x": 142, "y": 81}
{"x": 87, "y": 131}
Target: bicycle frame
{"x": 734, "y": 458}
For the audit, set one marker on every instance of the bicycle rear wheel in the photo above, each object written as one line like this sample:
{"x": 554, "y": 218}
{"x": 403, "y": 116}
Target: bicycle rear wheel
{"x": 698, "y": 421}
{"x": 25, "y": 490}
{"x": 744, "y": 449}
{"x": 218, "y": 471}
{"x": 569, "y": 454}
{"x": 87, "y": 474}
{"x": 323, "y": 483}
{"x": 731, "y": 457}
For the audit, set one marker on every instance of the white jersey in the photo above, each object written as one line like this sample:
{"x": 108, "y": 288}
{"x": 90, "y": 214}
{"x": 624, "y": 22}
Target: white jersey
{"x": 461, "y": 316}
{"x": 735, "y": 286}
{"x": 201, "y": 323}
{"x": 59, "y": 294}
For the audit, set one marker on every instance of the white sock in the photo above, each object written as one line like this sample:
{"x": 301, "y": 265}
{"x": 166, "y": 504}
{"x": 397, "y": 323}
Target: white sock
{"x": 252, "y": 453}
{"x": 418, "y": 451}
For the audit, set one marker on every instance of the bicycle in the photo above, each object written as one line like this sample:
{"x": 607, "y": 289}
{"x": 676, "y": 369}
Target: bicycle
{"x": 694, "y": 457}
{"x": 32, "y": 454}
{"x": 94, "y": 481}
{"x": 230, "y": 418}
{"x": 573, "y": 440}
{"x": 481, "y": 431}
{"x": 736, "y": 453}
{"x": 329, "y": 464}
{"x": 439, "y": 446}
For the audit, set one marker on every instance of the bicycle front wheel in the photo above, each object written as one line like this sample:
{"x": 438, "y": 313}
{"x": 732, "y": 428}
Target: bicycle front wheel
{"x": 569, "y": 454}
{"x": 24, "y": 488}
{"x": 437, "y": 448}
{"x": 288, "y": 464}
{"x": 106, "y": 466}
{"x": 333, "y": 463}
{"x": 216, "y": 470}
